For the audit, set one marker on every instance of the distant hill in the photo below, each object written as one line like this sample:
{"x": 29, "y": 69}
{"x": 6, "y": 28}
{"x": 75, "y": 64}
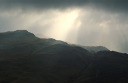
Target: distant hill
{"x": 95, "y": 48}
{"x": 25, "y": 58}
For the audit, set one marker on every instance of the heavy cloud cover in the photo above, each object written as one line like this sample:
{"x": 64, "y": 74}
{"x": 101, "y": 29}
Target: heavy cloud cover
{"x": 117, "y": 5}
{"x": 86, "y": 22}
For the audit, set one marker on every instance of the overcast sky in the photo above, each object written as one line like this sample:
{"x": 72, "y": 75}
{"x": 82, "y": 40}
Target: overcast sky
{"x": 84, "y": 22}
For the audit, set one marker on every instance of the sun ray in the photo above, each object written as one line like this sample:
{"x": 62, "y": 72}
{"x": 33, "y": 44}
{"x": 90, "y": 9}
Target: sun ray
{"x": 63, "y": 23}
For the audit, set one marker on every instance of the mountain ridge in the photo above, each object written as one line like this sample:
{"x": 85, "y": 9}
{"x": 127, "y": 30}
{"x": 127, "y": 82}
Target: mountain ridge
{"x": 25, "y": 58}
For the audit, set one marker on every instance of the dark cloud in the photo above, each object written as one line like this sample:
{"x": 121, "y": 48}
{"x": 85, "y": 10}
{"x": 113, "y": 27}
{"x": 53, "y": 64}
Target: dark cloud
{"x": 114, "y": 5}
{"x": 40, "y": 4}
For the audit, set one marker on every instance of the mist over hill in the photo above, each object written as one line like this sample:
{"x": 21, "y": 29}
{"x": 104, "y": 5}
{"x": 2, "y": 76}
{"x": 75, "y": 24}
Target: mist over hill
{"x": 25, "y": 58}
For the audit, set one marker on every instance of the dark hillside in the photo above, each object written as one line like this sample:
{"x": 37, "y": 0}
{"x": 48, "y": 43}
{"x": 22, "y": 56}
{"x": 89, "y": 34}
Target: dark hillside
{"x": 24, "y": 58}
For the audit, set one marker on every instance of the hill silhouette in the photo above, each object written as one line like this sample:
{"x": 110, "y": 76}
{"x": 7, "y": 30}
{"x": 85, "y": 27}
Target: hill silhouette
{"x": 25, "y": 58}
{"x": 94, "y": 49}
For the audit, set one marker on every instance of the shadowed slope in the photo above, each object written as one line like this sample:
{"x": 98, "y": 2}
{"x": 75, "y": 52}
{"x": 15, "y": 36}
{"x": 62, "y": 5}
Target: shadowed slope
{"x": 24, "y": 58}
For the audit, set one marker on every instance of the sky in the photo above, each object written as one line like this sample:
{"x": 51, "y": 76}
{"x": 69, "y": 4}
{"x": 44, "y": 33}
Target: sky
{"x": 83, "y": 22}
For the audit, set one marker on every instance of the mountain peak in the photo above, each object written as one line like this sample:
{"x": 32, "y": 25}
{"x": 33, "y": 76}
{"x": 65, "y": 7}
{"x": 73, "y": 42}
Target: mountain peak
{"x": 22, "y": 32}
{"x": 16, "y": 34}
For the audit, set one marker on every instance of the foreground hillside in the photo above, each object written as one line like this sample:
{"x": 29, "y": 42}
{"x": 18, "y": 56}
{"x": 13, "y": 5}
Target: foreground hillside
{"x": 24, "y": 58}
